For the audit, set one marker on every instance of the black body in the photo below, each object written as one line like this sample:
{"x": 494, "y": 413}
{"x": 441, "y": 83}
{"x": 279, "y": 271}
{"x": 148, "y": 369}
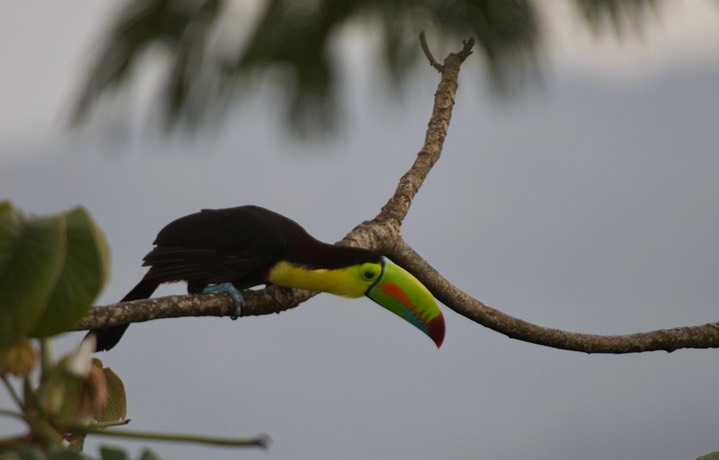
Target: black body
{"x": 237, "y": 245}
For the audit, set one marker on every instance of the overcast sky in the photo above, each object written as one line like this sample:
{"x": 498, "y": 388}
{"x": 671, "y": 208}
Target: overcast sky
{"x": 588, "y": 203}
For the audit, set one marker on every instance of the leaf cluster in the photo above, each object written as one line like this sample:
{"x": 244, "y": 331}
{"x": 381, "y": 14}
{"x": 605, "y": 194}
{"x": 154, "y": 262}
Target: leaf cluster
{"x": 51, "y": 270}
{"x": 215, "y": 52}
{"x": 106, "y": 453}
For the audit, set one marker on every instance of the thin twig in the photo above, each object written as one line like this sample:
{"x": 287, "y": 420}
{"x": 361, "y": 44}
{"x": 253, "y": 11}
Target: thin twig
{"x": 425, "y": 48}
{"x": 262, "y": 441}
{"x": 12, "y": 414}
{"x": 11, "y": 391}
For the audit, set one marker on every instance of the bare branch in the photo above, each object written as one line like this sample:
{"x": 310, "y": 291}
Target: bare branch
{"x": 704, "y": 336}
{"x": 383, "y": 234}
{"x": 425, "y": 49}
{"x": 397, "y": 207}
{"x": 261, "y": 302}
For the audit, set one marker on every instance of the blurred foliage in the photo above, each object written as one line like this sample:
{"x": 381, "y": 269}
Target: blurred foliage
{"x": 620, "y": 16}
{"x": 295, "y": 38}
{"x": 51, "y": 269}
{"x": 60, "y": 404}
{"x": 106, "y": 453}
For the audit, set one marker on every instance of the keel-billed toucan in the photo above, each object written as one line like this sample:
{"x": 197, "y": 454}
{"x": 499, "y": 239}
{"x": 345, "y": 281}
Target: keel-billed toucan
{"x": 249, "y": 245}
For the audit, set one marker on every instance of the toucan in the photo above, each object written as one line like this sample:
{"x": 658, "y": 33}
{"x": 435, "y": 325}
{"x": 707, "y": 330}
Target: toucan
{"x": 246, "y": 246}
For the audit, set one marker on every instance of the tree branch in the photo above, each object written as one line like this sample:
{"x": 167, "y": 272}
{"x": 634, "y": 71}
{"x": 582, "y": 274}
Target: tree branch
{"x": 383, "y": 234}
{"x": 260, "y": 302}
{"x": 428, "y": 54}
{"x": 398, "y": 205}
{"x": 704, "y": 336}
{"x": 377, "y": 234}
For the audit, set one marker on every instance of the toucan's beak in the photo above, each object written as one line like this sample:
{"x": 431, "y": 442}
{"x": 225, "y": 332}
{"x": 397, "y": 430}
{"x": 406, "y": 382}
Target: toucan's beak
{"x": 401, "y": 293}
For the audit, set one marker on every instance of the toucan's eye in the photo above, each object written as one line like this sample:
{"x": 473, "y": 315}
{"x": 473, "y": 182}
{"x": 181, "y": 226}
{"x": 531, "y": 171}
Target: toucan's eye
{"x": 369, "y": 272}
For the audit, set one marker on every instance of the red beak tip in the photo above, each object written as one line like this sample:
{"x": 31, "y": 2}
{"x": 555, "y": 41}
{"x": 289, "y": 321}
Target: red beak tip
{"x": 436, "y": 330}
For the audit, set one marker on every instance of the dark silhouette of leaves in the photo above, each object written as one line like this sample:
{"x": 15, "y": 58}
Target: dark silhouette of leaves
{"x": 294, "y": 42}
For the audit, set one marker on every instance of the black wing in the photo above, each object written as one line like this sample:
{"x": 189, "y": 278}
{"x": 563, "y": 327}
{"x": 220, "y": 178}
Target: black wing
{"x": 234, "y": 245}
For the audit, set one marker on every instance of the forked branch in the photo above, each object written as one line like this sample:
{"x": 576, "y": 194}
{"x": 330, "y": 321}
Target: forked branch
{"x": 383, "y": 234}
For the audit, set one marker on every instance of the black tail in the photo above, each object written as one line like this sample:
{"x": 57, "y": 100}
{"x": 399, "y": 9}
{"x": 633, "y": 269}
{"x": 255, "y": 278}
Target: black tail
{"x": 108, "y": 337}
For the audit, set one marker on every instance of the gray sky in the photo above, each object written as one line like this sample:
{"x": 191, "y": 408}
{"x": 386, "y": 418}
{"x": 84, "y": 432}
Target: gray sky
{"x": 588, "y": 204}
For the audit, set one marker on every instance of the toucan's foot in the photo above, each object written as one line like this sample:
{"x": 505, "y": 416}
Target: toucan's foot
{"x": 228, "y": 287}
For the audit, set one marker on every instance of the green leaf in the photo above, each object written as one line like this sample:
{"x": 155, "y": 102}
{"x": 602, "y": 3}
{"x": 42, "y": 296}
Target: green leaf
{"x": 31, "y": 257}
{"x": 24, "y": 453}
{"x": 10, "y": 230}
{"x": 66, "y": 455}
{"x": 83, "y": 275}
{"x": 709, "y": 456}
{"x": 32, "y": 403}
{"x": 51, "y": 269}
{"x": 116, "y": 408}
{"x": 112, "y": 453}
{"x": 147, "y": 454}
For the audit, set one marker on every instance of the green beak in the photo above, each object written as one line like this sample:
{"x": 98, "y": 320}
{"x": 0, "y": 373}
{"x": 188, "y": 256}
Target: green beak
{"x": 401, "y": 293}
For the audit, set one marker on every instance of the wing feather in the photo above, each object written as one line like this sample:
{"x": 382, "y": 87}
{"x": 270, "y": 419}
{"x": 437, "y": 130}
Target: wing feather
{"x": 225, "y": 245}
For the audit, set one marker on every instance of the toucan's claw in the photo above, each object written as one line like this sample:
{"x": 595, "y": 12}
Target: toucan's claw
{"x": 228, "y": 287}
